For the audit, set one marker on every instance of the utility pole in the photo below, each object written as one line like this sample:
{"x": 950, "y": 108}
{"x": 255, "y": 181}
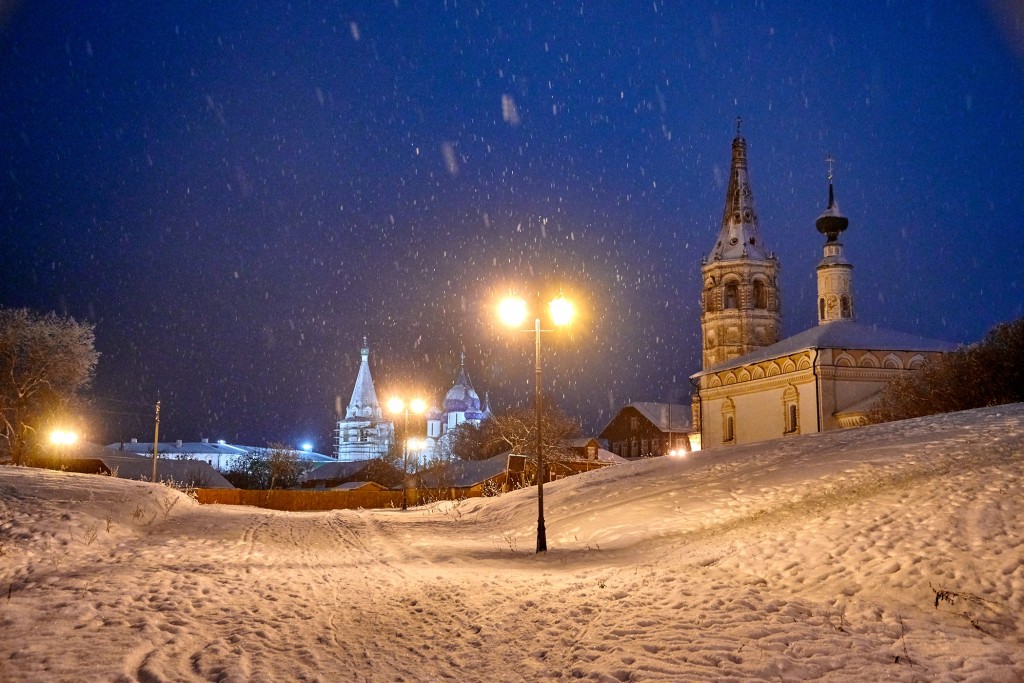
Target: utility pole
{"x": 156, "y": 439}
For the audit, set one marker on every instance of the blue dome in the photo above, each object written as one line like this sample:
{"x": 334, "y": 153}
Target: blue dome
{"x": 462, "y": 397}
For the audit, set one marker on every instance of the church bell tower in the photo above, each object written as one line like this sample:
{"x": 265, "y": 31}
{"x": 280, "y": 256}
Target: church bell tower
{"x": 835, "y": 273}
{"x": 740, "y": 302}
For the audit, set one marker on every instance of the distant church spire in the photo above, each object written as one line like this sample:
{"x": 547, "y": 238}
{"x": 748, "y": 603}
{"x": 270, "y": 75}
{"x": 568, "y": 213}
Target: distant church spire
{"x": 740, "y": 298}
{"x": 835, "y": 273}
{"x": 364, "y": 396}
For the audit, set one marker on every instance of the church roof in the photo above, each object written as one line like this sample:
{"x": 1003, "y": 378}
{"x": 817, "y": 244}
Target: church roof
{"x": 832, "y": 221}
{"x": 462, "y": 397}
{"x": 363, "y": 394}
{"x": 840, "y": 334}
{"x": 738, "y": 237}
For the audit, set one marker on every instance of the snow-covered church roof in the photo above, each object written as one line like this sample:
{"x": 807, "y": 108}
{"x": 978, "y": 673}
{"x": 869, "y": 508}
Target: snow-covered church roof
{"x": 840, "y": 334}
{"x": 363, "y": 394}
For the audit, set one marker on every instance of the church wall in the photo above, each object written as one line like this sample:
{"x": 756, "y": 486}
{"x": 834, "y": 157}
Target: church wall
{"x": 852, "y": 376}
{"x": 758, "y": 395}
{"x": 759, "y": 407}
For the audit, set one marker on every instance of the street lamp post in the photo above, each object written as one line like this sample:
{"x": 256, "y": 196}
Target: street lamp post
{"x": 512, "y": 312}
{"x": 397, "y": 405}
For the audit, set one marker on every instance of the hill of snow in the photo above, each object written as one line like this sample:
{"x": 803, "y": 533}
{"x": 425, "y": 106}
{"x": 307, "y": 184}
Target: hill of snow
{"x": 893, "y": 552}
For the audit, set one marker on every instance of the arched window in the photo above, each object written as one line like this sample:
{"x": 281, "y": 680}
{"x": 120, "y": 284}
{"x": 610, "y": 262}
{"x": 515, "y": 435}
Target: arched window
{"x": 760, "y": 294}
{"x": 732, "y": 296}
{"x": 821, "y": 308}
{"x": 846, "y": 311}
{"x": 791, "y": 410}
{"x": 728, "y": 422}
{"x": 709, "y": 299}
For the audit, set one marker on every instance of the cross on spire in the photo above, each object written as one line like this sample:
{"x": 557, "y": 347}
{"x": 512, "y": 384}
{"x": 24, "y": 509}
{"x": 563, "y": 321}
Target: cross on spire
{"x": 830, "y": 161}
{"x": 739, "y": 126}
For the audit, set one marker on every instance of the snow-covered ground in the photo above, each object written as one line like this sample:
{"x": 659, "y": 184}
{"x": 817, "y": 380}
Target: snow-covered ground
{"x": 808, "y": 558}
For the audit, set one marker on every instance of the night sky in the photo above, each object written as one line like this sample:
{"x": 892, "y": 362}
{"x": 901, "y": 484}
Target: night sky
{"x": 236, "y": 192}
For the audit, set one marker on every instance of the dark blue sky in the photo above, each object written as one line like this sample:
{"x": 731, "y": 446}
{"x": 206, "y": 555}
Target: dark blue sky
{"x": 235, "y": 193}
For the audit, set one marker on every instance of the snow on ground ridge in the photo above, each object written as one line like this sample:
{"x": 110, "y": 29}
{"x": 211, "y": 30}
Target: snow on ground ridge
{"x": 809, "y": 558}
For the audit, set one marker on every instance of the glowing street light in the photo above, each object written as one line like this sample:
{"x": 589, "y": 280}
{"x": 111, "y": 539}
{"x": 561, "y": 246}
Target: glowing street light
{"x": 307, "y": 446}
{"x": 397, "y": 405}
{"x": 512, "y": 311}
{"x": 61, "y": 437}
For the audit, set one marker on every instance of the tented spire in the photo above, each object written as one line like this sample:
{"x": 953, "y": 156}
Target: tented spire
{"x": 363, "y": 394}
{"x": 738, "y": 237}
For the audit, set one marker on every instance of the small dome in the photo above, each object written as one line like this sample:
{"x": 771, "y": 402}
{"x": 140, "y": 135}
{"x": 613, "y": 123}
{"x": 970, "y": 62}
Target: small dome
{"x": 461, "y": 397}
{"x": 832, "y": 221}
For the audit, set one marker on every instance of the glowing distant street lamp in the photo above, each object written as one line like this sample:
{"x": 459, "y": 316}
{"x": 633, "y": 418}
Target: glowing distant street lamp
{"x": 512, "y": 311}
{"x": 307, "y": 446}
{"x": 397, "y": 405}
{"x": 60, "y": 437}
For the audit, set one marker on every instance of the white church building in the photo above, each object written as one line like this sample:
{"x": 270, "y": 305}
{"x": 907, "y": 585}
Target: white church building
{"x": 754, "y": 386}
{"x": 366, "y": 432}
{"x": 461, "y": 405}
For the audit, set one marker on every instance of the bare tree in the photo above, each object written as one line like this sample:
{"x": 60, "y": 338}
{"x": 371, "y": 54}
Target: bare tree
{"x": 45, "y": 360}
{"x": 516, "y": 429}
{"x": 283, "y": 466}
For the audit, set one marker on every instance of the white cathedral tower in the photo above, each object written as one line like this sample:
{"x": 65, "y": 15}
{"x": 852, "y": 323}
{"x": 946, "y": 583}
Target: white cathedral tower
{"x": 363, "y": 433}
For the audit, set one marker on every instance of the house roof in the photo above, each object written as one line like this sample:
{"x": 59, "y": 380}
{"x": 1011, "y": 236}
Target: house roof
{"x": 580, "y": 441}
{"x": 840, "y": 334}
{"x": 668, "y": 417}
{"x": 335, "y": 470}
{"x": 131, "y": 466}
{"x": 466, "y": 473}
{"x": 201, "y": 448}
{"x": 609, "y": 457}
{"x": 356, "y": 485}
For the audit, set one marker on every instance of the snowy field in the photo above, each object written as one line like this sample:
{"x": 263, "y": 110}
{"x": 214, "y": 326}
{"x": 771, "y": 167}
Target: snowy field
{"x": 807, "y": 558}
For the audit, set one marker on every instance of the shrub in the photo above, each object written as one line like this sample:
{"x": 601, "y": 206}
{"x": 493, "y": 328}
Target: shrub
{"x": 988, "y": 373}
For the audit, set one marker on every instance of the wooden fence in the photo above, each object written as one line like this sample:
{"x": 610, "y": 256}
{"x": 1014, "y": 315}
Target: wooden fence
{"x": 306, "y": 500}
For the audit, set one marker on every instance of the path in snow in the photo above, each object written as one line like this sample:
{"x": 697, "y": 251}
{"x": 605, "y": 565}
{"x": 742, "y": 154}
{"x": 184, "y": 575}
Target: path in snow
{"x": 811, "y": 558}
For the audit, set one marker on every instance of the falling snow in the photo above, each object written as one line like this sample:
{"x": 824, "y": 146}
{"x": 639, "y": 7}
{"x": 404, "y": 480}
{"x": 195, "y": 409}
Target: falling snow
{"x": 235, "y": 194}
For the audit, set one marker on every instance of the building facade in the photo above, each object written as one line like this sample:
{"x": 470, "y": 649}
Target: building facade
{"x": 646, "y": 430}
